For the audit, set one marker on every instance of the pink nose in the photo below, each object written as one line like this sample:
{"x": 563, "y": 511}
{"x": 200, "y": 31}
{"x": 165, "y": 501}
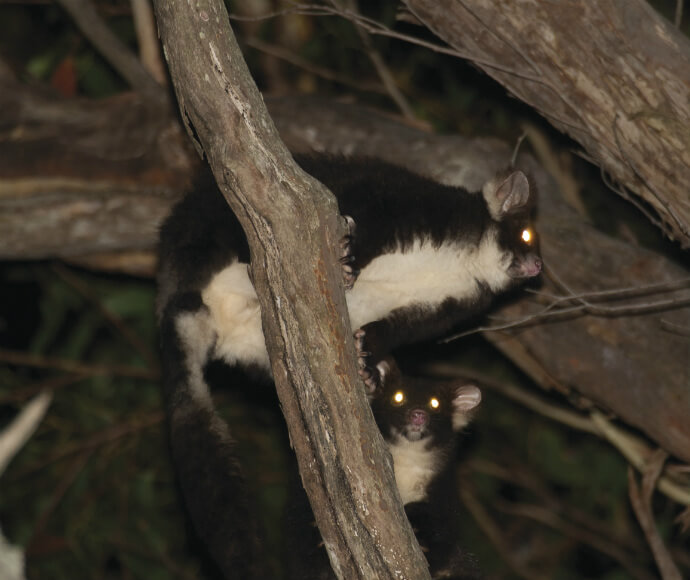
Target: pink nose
{"x": 531, "y": 266}
{"x": 418, "y": 418}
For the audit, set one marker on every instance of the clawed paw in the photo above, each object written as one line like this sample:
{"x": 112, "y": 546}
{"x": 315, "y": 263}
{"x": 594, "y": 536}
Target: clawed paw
{"x": 350, "y": 273}
{"x": 370, "y": 374}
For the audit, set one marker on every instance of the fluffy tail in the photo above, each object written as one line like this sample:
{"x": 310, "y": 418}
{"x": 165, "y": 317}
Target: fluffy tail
{"x": 203, "y": 450}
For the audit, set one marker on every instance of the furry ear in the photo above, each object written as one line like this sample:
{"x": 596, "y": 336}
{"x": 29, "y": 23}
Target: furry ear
{"x": 389, "y": 373}
{"x": 384, "y": 369}
{"x": 466, "y": 398}
{"x": 389, "y": 370}
{"x": 504, "y": 194}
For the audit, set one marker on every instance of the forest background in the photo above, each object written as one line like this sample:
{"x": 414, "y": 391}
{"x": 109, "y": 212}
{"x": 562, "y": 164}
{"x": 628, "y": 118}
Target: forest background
{"x": 544, "y": 469}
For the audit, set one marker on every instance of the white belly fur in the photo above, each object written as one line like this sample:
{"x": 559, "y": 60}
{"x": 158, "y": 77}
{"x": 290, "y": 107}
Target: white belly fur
{"x": 236, "y": 316}
{"x": 423, "y": 276}
{"x": 415, "y": 467}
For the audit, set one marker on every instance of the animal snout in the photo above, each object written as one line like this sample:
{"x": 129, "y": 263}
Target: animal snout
{"x": 419, "y": 418}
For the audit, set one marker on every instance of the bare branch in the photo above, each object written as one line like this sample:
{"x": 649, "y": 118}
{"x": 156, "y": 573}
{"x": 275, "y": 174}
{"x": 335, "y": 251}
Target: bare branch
{"x": 559, "y": 308}
{"x": 325, "y": 73}
{"x": 493, "y": 532}
{"x": 641, "y": 500}
{"x": 638, "y": 453}
{"x": 380, "y": 66}
{"x": 19, "y": 431}
{"x": 628, "y": 112}
{"x": 147, "y": 37}
{"x": 678, "y": 18}
{"x": 76, "y": 367}
{"x": 298, "y": 280}
{"x": 115, "y": 52}
{"x": 632, "y": 447}
{"x": 579, "y": 534}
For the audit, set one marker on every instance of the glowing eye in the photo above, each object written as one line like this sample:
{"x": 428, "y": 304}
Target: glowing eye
{"x": 399, "y": 397}
{"x": 526, "y": 236}
{"x": 434, "y": 403}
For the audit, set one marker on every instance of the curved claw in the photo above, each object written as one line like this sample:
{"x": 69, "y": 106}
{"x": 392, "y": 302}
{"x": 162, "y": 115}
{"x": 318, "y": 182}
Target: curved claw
{"x": 370, "y": 375}
{"x": 346, "y": 258}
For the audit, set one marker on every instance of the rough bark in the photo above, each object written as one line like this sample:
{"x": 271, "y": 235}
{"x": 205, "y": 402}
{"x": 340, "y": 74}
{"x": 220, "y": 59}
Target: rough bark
{"x": 612, "y": 361}
{"x": 629, "y": 365}
{"x": 80, "y": 175}
{"x": 293, "y": 229}
{"x": 615, "y": 76}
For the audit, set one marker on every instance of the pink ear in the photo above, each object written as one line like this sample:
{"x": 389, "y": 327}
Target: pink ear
{"x": 507, "y": 194}
{"x": 514, "y": 191}
{"x": 466, "y": 398}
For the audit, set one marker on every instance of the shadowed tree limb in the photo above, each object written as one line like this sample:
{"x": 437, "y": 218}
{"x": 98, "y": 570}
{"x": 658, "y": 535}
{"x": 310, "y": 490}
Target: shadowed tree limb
{"x": 293, "y": 230}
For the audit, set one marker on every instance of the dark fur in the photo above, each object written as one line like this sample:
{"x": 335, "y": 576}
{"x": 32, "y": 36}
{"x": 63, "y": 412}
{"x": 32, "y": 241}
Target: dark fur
{"x": 436, "y": 518}
{"x": 392, "y": 208}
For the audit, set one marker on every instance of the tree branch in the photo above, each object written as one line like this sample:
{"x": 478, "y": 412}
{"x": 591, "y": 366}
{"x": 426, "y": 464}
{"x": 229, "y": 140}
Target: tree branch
{"x": 115, "y": 52}
{"x": 626, "y": 107}
{"x": 610, "y": 361}
{"x": 293, "y": 230}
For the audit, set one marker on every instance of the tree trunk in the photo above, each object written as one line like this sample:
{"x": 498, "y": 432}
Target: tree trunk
{"x": 635, "y": 366}
{"x": 615, "y": 76}
{"x": 591, "y": 357}
{"x": 293, "y": 229}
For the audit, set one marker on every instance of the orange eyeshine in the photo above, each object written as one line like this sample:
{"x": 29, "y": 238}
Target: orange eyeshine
{"x": 526, "y": 236}
{"x": 434, "y": 403}
{"x": 398, "y": 398}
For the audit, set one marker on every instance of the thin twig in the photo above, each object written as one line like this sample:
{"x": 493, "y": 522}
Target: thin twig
{"x": 493, "y": 533}
{"x": 21, "y": 394}
{"x": 675, "y": 328}
{"x": 147, "y": 38}
{"x": 517, "y": 474}
{"x": 70, "y": 476}
{"x": 95, "y": 441}
{"x": 112, "y": 319}
{"x": 582, "y": 536}
{"x": 19, "y": 431}
{"x": 590, "y": 308}
{"x": 380, "y": 66}
{"x": 374, "y": 27}
{"x": 620, "y": 293}
{"x": 113, "y": 50}
{"x": 516, "y": 149}
{"x": 641, "y": 500}
{"x": 637, "y": 452}
{"x": 554, "y": 310}
{"x": 633, "y": 448}
{"x": 325, "y": 73}
{"x": 678, "y": 18}
{"x": 45, "y": 362}
{"x": 607, "y": 179}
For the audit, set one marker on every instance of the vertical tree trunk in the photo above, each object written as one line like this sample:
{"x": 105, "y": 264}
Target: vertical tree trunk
{"x": 293, "y": 230}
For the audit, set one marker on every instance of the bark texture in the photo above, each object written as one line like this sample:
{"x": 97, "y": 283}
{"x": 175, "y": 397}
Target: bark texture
{"x": 631, "y": 366}
{"x": 293, "y": 228}
{"x": 615, "y": 76}
{"x": 80, "y": 175}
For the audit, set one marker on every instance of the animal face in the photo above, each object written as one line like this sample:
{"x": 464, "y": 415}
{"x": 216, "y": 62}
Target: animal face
{"x": 511, "y": 201}
{"x": 419, "y": 409}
